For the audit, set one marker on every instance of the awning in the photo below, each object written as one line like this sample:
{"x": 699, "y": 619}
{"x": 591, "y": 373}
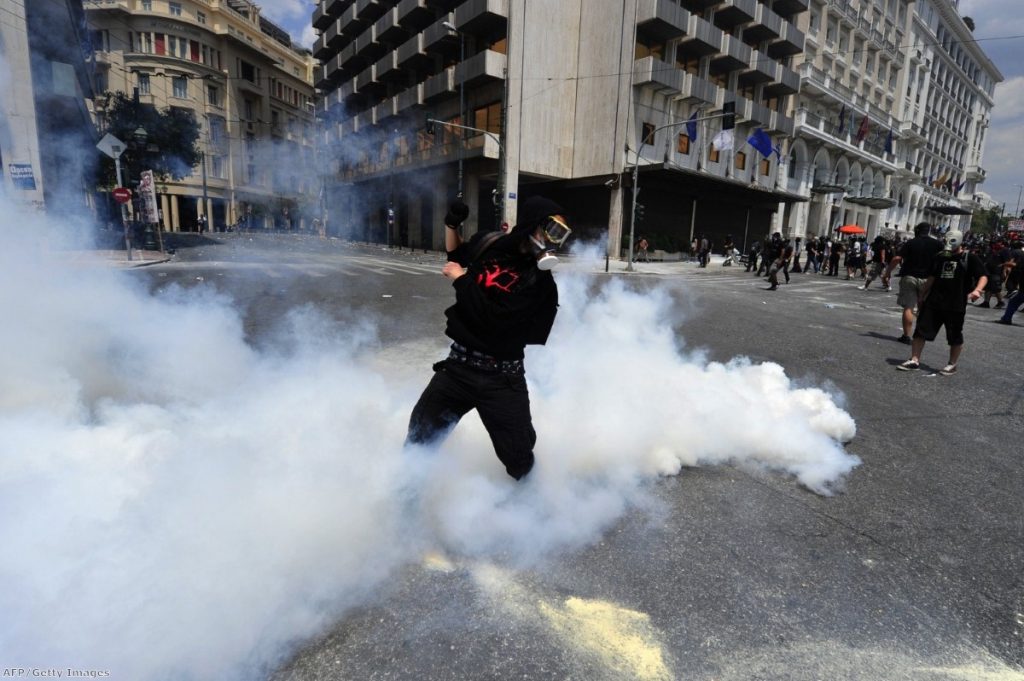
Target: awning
{"x": 871, "y": 201}
{"x": 828, "y": 189}
{"x": 948, "y": 210}
{"x": 716, "y": 188}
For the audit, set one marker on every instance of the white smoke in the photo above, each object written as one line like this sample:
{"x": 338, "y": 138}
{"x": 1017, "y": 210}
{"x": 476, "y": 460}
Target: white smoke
{"x": 175, "y": 503}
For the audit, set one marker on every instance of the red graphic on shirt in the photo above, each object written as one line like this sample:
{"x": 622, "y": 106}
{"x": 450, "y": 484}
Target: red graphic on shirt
{"x": 498, "y": 277}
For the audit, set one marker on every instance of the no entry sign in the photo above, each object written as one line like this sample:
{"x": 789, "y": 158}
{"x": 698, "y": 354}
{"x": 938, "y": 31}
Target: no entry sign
{"x": 122, "y": 195}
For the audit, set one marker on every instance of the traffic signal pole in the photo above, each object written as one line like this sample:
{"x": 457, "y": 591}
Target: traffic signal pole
{"x": 636, "y": 171}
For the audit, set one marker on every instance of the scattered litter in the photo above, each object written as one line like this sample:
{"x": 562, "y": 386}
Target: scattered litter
{"x": 386, "y": 295}
{"x": 199, "y": 279}
{"x": 829, "y": 306}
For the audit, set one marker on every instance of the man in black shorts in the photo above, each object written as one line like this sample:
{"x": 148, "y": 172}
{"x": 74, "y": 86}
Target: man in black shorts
{"x": 955, "y": 278}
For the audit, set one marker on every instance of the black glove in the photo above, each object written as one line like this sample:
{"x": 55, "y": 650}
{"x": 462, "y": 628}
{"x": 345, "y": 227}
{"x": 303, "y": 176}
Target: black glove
{"x": 457, "y": 212}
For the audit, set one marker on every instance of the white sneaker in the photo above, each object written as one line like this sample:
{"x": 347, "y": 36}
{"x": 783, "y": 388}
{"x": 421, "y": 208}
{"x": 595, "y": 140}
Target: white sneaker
{"x": 948, "y": 370}
{"x": 862, "y": 288}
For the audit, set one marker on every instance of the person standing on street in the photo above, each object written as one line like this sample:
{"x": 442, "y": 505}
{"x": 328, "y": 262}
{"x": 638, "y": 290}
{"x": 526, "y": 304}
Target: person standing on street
{"x": 1014, "y": 293}
{"x": 914, "y": 260}
{"x": 505, "y": 299}
{"x": 876, "y": 269}
{"x": 955, "y": 278}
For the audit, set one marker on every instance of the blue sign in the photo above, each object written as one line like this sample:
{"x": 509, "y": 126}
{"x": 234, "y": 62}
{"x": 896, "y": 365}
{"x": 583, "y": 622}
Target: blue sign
{"x": 22, "y": 176}
{"x": 511, "y": 195}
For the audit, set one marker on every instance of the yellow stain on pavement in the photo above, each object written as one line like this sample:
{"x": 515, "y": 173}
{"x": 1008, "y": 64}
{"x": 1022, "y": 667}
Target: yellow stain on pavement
{"x": 623, "y": 639}
{"x": 437, "y": 562}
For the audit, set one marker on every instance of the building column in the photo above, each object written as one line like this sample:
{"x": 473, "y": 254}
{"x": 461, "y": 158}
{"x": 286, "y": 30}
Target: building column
{"x": 175, "y": 223}
{"x": 165, "y": 213}
{"x": 615, "y": 220}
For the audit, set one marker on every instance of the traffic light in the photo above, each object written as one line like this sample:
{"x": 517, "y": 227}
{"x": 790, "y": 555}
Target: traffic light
{"x": 430, "y": 125}
{"x": 639, "y": 212}
{"x": 729, "y": 120}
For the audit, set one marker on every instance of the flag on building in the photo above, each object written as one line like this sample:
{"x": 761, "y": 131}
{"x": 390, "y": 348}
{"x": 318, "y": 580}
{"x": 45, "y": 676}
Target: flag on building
{"x": 949, "y": 184}
{"x": 888, "y": 142}
{"x": 841, "y": 128}
{"x": 724, "y": 140}
{"x": 761, "y": 141}
{"x": 865, "y": 127}
{"x": 941, "y": 181}
{"x": 959, "y": 186}
{"x": 691, "y": 128}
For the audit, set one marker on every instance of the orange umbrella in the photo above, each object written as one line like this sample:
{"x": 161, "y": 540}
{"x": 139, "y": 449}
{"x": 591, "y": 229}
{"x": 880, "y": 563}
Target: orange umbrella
{"x": 852, "y": 229}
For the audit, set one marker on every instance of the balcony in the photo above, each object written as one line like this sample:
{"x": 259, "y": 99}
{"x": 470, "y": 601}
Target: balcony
{"x": 370, "y": 10}
{"x": 388, "y": 29}
{"x": 348, "y": 59}
{"x": 411, "y": 54}
{"x": 658, "y": 75}
{"x": 367, "y": 45}
{"x": 701, "y": 38}
{"x": 436, "y": 35}
{"x": 439, "y": 86}
{"x": 414, "y": 14}
{"x": 786, "y": 82}
{"x": 760, "y": 114}
{"x": 388, "y": 68}
{"x": 481, "y": 68}
{"x": 732, "y": 55}
{"x": 788, "y": 8}
{"x": 482, "y": 16}
{"x": 761, "y": 69}
{"x": 386, "y": 109}
{"x": 333, "y": 36}
{"x": 733, "y": 12}
{"x": 321, "y": 19}
{"x": 320, "y": 81}
{"x": 320, "y": 49}
{"x": 409, "y": 98}
{"x": 350, "y": 22}
{"x": 335, "y": 7}
{"x": 367, "y": 82}
{"x": 767, "y": 25}
{"x": 781, "y": 123}
{"x": 661, "y": 20}
{"x": 975, "y": 173}
{"x": 696, "y": 88}
{"x": 364, "y": 119}
{"x": 789, "y": 42}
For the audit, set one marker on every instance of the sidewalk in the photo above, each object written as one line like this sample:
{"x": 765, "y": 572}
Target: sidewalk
{"x": 674, "y": 267}
{"x": 114, "y": 258}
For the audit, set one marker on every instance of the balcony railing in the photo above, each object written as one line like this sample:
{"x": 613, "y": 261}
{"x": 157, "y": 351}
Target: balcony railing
{"x": 701, "y": 37}
{"x": 439, "y": 85}
{"x": 410, "y": 98}
{"x": 481, "y": 15}
{"x": 661, "y": 76}
{"x": 481, "y": 67}
{"x": 695, "y": 87}
{"x": 661, "y": 19}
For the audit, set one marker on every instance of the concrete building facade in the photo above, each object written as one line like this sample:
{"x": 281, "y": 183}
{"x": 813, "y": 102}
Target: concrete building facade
{"x": 248, "y": 87}
{"x": 571, "y": 96}
{"x": 46, "y": 134}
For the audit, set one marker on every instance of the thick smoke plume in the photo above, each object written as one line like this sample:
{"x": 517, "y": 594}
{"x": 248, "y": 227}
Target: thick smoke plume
{"x": 175, "y": 503}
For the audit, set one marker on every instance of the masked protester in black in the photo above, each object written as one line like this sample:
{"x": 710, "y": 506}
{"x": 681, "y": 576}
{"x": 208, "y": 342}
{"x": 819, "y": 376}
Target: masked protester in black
{"x": 505, "y": 299}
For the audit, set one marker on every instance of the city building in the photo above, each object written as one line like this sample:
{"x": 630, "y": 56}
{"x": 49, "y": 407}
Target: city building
{"x": 890, "y": 121}
{"x": 46, "y": 134}
{"x": 247, "y": 85}
{"x": 948, "y": 96}
{"x": 564, "y": 98}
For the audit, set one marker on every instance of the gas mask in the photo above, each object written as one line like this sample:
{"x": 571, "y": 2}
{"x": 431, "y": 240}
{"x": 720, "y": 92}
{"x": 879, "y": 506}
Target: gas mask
{"x": 553, "y": 233}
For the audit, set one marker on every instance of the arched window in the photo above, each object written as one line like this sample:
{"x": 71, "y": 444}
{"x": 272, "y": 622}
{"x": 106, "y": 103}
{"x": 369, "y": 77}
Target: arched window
{"x": 791, "y": 171}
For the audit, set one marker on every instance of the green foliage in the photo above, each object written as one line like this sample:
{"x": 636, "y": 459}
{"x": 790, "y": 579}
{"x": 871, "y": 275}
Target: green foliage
{"x": 989, "y": 221}
{"x": 170, "y": 149}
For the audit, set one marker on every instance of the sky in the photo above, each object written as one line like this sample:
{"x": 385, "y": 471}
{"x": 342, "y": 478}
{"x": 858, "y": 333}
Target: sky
{"x": 999, "y": 28}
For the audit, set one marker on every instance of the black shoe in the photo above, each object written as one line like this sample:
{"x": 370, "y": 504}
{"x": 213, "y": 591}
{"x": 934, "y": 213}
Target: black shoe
{"x": 773, "y": 287}
{"x": 1007, "y": 322}
{"x": 985, "y": 304}
{"x": 905, "y": 339}
{"x": 1000, "y": 304}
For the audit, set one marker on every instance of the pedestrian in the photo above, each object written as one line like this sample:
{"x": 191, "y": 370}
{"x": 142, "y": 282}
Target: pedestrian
{"x": 878, "y": 259}
{"x": 641, "y": 250}
{"x": 914, "y": 260}
{"x": 837, "y": 253}
{"x": 955, "y": 278}
{"x": 755, "y": 250}
{"x": 505, "y": 299}
{"x": 729, "y": 250}
{"x": 1015, "y": 294}
{"x": 705, "y": 251}
{"x": 812, "y": 256}
{"x": 996, "y": 258}
{"x": 780, "y": 263}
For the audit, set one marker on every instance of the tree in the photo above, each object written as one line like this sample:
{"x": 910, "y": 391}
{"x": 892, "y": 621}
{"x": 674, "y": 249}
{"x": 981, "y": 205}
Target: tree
{"x": 988, "y": 221}
{"x": 169, "y": 149}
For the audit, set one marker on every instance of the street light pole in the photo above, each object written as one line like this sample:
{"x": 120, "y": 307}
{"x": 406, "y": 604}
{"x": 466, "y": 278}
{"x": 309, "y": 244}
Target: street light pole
{"x": 462, "y": 97}
{"x": 1016, "y": 213}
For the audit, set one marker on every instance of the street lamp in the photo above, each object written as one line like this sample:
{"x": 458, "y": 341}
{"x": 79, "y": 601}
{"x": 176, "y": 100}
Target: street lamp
{"x": 462, "y": 95}
{"x": 1016, "y": 213}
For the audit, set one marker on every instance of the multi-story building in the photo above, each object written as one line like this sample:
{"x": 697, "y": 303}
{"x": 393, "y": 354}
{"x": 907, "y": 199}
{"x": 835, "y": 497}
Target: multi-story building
{"x": 248, "y": 87}
{"x": 46, "y": 135}
{"x": 895, "y": 98}
{"x": 947, "y": 98}
{"x": 846, "y": 151}
{"x": 570, "y": 96}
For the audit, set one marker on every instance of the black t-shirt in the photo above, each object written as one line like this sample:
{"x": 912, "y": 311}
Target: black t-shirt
{"x": 1017, "y": 255}
{"x": 878, "y": 248}
{"x": 917, "y": 255}
{"x": 955, "y": 277}
{"x": 994, "y": 262}
{"x": 503, "y": 303}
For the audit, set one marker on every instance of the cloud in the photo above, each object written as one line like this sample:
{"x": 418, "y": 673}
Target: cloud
{"x": 295, "y": 16}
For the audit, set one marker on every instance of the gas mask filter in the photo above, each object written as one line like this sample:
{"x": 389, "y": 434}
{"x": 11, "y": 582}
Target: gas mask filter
{"x": 553, "y": 233}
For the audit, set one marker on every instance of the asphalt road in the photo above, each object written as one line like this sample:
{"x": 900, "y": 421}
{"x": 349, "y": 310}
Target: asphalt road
{"x": 914, "y": 571}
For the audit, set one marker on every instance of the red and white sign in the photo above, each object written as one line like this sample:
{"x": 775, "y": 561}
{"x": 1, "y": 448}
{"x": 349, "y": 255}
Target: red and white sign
{"x": 1015, "y": 226}
{"x": 122, "y": 195}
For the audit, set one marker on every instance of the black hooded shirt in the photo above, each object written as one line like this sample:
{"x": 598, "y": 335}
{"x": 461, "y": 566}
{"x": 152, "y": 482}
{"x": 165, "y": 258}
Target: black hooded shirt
{"x": 503, "y": 303}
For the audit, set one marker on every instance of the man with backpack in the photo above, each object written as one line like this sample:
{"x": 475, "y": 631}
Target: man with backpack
{"x": 505, "y": 299}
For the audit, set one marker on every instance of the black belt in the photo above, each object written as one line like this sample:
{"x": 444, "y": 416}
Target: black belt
{"x": 478, "y": 360}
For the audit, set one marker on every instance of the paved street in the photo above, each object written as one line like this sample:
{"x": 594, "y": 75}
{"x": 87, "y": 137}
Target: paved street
{"x": 914, "y": 571}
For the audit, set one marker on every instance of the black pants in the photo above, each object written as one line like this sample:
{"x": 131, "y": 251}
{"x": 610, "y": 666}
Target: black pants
{"x": 501, "y": 400}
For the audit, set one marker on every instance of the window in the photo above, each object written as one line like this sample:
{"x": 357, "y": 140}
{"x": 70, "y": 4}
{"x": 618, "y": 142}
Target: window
{"x": 216, "y": 166}
{"x": 179, "y": 87}
{"x": 766, "y": 166}
{"x": 212, "y": 95}
{"x": 713, "y": 155}
{"x": 683, "y": 143}
{"x": 647, "y": 134}
{"x": 216, "y": 130}
{"x": 201, "y": 17}
{"x": 146, "y": 43}
{"x": 488, "y": 118}
{"x": 741, "y": 161}
{"x": 143, "y": 83}
{"x": 249, "y": 110}
{"x": 147, "y": 5}
{"x": 247, "y": 71}
{"x": 174, "y": 8}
